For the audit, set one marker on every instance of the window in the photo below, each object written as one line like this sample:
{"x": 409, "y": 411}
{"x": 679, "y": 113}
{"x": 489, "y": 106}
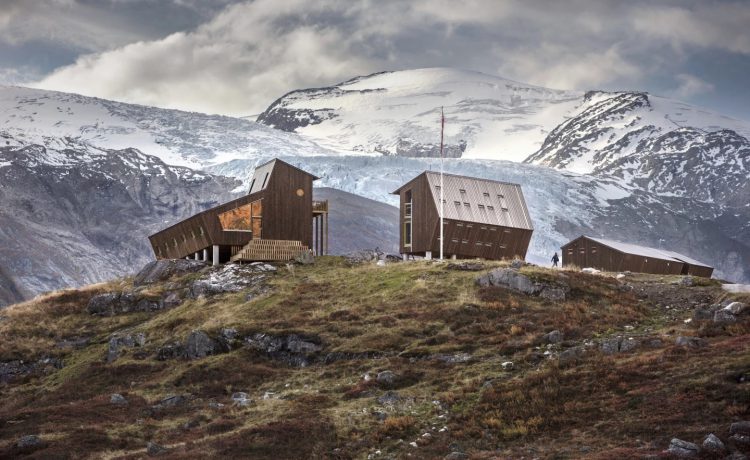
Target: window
{"x": 192, "y": 233}
{"x": 407, "y": 234}
{"x": 251, "y": 184}
{"x": 507, "y": 230}
{"x": 503, "y": 246}
{"x": 469, "y": 226}
{"x": 479, "y": 243}
{"x": 582, "y": 251}
{"x": 454, "y": 240}
{"x": 570, "y": 251}
{"x": 459, "y": 224}
{"x": 457, "y": 203}
{"x": 501, "y": 197}
{"x": 462, "y": 190}
{"x": 483, "y": 228}
{"x": 175, "y": 242}
{"x": 489, "y": 245}
{"x": 184, "y": 238}
{"x": 200, "y": 231}
{"x": 493, "y": 229}
{"x": 407, "y": 196}
{"x": 481, "y": 206}
{"x": 437, "y": 187}
{"x": 265, "y": 179}
{"x": 490, "y": 208}
{"x": 245, "y": 218}
{"x": 464, "y": 241}
{"x": 466, "y": 204}
{"x": 486, "y": 195}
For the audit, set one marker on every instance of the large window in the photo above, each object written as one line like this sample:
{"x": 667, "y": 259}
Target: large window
{"x": 407, "y": 233}
{"x": 246, "y": 218}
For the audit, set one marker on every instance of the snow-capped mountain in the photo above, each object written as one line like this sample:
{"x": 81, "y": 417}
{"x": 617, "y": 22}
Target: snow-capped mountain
{"x": 398, "y": 113}
{"x": 31, "y": 116}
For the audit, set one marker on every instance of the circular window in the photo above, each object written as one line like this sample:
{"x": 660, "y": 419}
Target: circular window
{"x": 300, "y": 192}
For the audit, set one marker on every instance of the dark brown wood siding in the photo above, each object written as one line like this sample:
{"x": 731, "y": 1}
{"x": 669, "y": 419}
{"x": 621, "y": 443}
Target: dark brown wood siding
{"x": 287, "y": 215}
{"x": 462, "y": 238}
{"x": 583, "y": 252}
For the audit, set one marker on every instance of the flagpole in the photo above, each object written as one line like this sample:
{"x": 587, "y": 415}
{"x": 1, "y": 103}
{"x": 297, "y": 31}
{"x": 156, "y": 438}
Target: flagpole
{"x": 442, "y": 202}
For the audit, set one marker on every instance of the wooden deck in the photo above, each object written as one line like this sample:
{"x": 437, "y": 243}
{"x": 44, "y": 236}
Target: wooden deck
{"x": 260, "y": 250}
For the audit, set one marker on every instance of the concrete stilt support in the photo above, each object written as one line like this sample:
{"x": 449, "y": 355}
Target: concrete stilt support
{"x": 405, "y": 256}
{"x": 453, "y": 257}
{"x": 215, "y": 258}
{"x": 428, "y": 255}
{"x": 197, "y": 257}
{"x": 205, "y": 255}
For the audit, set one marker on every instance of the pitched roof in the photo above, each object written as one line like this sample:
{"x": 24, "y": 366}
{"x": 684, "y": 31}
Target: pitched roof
{"x": 260, "y": 181}
{"x": 647, "y": 252}
{"x": 482, "y": 201}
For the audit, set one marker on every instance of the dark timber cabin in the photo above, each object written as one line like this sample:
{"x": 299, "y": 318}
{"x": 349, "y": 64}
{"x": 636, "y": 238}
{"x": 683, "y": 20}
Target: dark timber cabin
{"x": 483, "y": 218}
{"x": 276, "y": 220}
{"x": 614, "y": 256}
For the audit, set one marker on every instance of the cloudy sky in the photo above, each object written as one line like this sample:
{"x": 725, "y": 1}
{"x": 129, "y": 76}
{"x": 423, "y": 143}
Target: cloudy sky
{"x": 236, "y": 57}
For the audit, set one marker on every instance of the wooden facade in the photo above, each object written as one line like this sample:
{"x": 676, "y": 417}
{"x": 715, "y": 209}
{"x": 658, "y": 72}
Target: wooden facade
{"x": 279, "y": 206}
{"x": 614, "y": 256}
{"x": 482, "y": 218}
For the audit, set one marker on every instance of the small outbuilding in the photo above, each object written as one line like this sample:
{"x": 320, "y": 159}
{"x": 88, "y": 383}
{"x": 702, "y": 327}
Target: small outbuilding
{"x": 615, "y": 256}
{"x": 482, "y": 218}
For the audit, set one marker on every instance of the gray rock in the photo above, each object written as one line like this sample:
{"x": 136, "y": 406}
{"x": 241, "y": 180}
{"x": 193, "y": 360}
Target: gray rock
{"x": 386, "y": 378}
{"x": 118, "y": 400}
{"x": 683, "y": 449}
{"x": 171, "y": 401}
{"x": 117, "y": 342}
{"x": 170, "y": 351}
{"x": 466, "y": 266}
{"x": 363, "y": 256}
{"x": 456, "y": 358}
{"x": 510, "y": 279}
{"x": 628, "y": 344}
{"x": 456, "y": 456}
{"x": 736, "y": 308}
{"x": 240, "y": 399}
{"x": 113, "y": 303}
{"x": 610, "y": 346}
{"x": 507, "y": 365}
{"x": 572, "y": 355}
{"x": 200, "y": 345}
{"x": 517, "y": 264}
{"x": 703, "y": 314}
{"x": 687, "y": 281}
{"x": 713, "y": 443}
{"x": 554, "y": 294}
{"x": 389, "y": 398}
{"x": 553, "y": 337}
{"x": 229, "y": 278}
{"x": 736, "y": 456}
{"x": 103, "y": 304}
{"x": 172, "y": 299}
{"x": 227, "y": 339}
{"x": 29, "y": 441}
{"x": 292, "y": 349}
{"x": 740, "y": 440}
{"x": 160, "y": 270}
{"x": 724, "y": 316}
{"x": 305, "y": 258}
{"x": 691, "y": 342}
{"x": 742, "y": 427}
{"x": 10, "y": 370}
{"x": 153, "y": 449}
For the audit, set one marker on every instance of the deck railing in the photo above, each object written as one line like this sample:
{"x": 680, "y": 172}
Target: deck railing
{"x": 320, "y": 206}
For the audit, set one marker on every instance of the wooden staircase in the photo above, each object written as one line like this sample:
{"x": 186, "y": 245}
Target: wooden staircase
{"x": 260, "y": 250}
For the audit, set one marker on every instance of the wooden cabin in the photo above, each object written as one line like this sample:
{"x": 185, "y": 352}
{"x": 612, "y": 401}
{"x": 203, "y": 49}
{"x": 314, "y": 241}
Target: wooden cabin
{"x": 482, "y": 218}
{"x": 614, "y": 256}
{"x": 276, "y": 220}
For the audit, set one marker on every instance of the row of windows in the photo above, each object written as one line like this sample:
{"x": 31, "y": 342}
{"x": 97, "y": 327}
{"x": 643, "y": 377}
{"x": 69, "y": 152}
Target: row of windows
{"x": 478, "y": 243}
{"x": 487, "y": 207}
{"x": 184, "y": 239}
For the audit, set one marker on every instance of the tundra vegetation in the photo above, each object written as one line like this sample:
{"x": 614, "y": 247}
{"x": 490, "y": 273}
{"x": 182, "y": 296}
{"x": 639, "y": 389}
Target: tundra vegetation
{"x": 339, "y": 359}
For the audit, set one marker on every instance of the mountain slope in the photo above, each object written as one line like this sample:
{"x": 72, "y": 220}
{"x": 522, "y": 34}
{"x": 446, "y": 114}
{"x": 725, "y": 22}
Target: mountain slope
{"x": 398, "y": 113}
{"x": 31, "y": 116}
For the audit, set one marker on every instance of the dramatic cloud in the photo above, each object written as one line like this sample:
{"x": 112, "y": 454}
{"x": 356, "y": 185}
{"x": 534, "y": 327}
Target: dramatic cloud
{"x": 249, "y": 53}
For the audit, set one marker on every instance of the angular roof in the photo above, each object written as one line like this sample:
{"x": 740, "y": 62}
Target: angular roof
{"x": 481, "y": 201}
{"x": 263, "y": 172}
{"x": 647, "y": 252}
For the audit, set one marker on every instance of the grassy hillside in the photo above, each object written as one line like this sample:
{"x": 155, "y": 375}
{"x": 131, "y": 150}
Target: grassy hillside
{"x": 377, "y": 362}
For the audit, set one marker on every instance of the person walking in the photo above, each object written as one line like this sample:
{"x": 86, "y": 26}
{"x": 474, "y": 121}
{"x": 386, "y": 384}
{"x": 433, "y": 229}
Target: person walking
{"x": 555, "y": 260}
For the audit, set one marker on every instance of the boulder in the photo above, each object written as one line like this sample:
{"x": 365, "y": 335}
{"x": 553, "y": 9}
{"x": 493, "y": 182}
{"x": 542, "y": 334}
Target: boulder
{"x": 736, "y": 308}
{"x": 199, "y": 345}
{"x": 171, "y": 401}
{"x": 153, "y": 449}
{"x": 227, "y": 339}
{"x": 724, "y": 316}
{"x": 683, "y": 449}
{"x": 510, "y": 279}
{"x": 618, "y": 344}
{"x": 590, "y": 270}
{"x": 572, "y": 355}
{"x": 103, "y": 304}
{"x": 230, "y": 278}
{"x": 741, "y": 441}
{"x": 713, "y": 443}
{"x": 29, "y": 441}
{"x": 305, "y": 258}
{"x": 117, "y": 342}
{"x": 517, "y": 264}
{"x": 169, "y": 351}
{"x": 363, "y": 256}
{"x": 553, "y": 337}
{"x": 118, "y": 400}
{"x": 466, "y": 266}
{"x": 555, "y": 294}
{"x": 507, "y": 365}
{"x": 113, "y": 303}
{"x": 293, "y": 349}
{"x": 687, "y": 281}
{"x": 691, "y": 342}
{"x": 703, "y": 313}
{"x": 172, "y": 299}
{"x": 160, "y": 270}
{"x": 386, "y": 378}
{"x": 240, "y": 399}
{"x": 742, "y": 427}
{"x": 389, "y": 398}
